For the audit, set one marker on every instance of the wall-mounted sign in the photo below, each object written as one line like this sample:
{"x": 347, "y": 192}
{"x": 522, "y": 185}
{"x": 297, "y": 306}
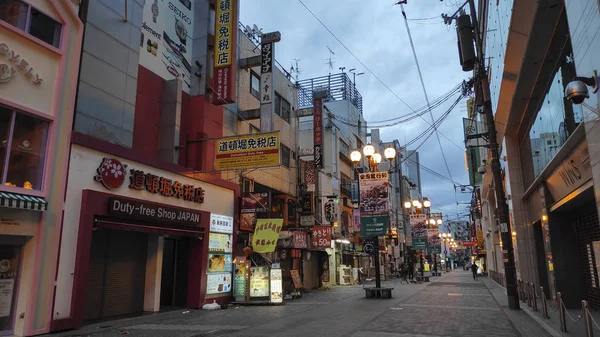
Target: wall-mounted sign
{"x": 306, "y": 220}
{"x": 218, "y": 283}
{"x": 321, "y": 237}
{"x": 219, "y": 263}
{"x": 306, "y": 203}
{"x": 226, "y": 27}
{"x": 310, "y": 174}
{"x": 247, "y": 151}
{"x": 7, "y": 71}
{"x": 266, "y": 235}
{"x": 330, "y": 211}
{"x": 247, "y": 221}
{"x": 256, "y": 202}
{"x": 166, "y": 40}
{"x": 356, "y": 216}
{"x": 354, "y": 191}
{"x": 259, "y": 281}
{"x": 111, "y": 173}
{"x": 318, "y": 131}
{"x": 142, "y": 210}
{"x": 300, "y": 240}
{"x": 221, "y": 223}
{"x": 276, "y": 286}
{"x": 220, "y": 242}
{"x": 571, "y": 174}
{"x": 374, "y": 225}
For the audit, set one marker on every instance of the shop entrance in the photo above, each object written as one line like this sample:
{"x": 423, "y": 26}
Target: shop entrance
{"x": 116, "y": 274}
{"x": 174, "y": 278}
{"x": 10, "y": 256}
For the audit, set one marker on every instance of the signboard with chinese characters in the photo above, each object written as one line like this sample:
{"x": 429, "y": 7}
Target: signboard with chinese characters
{"x": 153, "y": 212}
{"x": 221, "y": 223}
{"x": 256, "y": 202}
{"x": 266, "y": 235}
{"x": 318, "y": 131}
{"x": 374, "y": 225}
{"x": 330, "y": 211}
{"x": 247, "y": 151}
{"x": 321, "y": 237}
{"x": 266, "y": 72}
{"x": 356, "y": 216}
{"x": 219, "y": 242}
{"x": 418, "y": 231}
{"x": 354, "y": 191}
{"x": 374, "y": 197}
{"x": 306, "y": 204}
{"x": 226, "y": 28}
{"x": 300, "y": 240}
{"x": 218, "y": 283}
{"x": 166, "y": 40}
{"x": 310, "y": 173}
{"x": 434, "y": 242}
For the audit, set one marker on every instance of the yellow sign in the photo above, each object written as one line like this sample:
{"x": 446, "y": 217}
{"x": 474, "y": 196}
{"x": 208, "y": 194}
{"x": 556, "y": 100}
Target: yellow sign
{"x": 224, "y": 32}
{"x": 471, "y": 107}
{"x": 247, "y": 151}
{"x": 266, "y": 234}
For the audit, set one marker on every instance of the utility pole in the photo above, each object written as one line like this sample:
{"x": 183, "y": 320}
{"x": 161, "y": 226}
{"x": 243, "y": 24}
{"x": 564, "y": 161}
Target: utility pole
{"x": 481, "y": 80}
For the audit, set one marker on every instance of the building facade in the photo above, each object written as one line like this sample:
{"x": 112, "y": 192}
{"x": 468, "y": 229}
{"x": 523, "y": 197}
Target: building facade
{"x": 39, "y": 59}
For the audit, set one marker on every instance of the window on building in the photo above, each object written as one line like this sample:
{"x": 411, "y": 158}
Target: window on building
{"x": 282, "y": 107}
{"x": 23, "y": 142}
{"x": 255, "y": 84}
{"x": 285, "y": 156}
{"x": 29, "y": 19}
{"x": 344, "y": 148}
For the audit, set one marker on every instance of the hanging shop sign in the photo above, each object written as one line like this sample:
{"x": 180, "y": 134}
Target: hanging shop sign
{"x": 219, "y": 242}
{"x": 374, "y": 225}
{"x": 321, "y": 237}
{"x": 374, "y": 196}
{"x": 310, "y": 172}
{"x": 318, "y": 131}
{"x": 306, "y": 203}
{"x": 7, "y": 71}
{"x": 226, "y": 28}
{"x": 571, "y": 174}
{"x": 330, "y": 211}
{"x": 354, "y": 191}
{"x": 144, "y": 210}
{"x": 219, "y": 263}
{"x": 218, "y": 283}
{"x": 247, "y": 221}
{"x": 221, "y": 223}
{"x": 356, "y": 216}
{"x": 256, "y": 202}
{"x": 266, "y": 235}
{"x": 418, "y": 227}
{"x": 434, "y": 242}
{"x": 247, "y": 151}
{"x": 307, "y": 220}
{"x": 112, "y": 173}
{"x": 300, "y": 240}
{"x": 276, "y": 285}
{"x": 259, "y": 281}
{"x": 240, "y": 276}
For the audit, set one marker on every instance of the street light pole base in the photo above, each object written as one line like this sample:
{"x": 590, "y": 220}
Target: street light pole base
{"x": 513, "y": 303}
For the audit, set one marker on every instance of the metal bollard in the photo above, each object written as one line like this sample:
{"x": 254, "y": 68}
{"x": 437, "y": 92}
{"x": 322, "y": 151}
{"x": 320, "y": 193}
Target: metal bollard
{"x": 534, "y": 297}
{"x": 588, "y": 321}
{"x": 528, "y": 290}
{"x": 561, "y": 310}
{"x": 544, "y": 304}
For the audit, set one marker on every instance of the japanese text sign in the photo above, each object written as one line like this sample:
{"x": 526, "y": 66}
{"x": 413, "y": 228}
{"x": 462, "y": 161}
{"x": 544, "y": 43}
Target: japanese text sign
{"x": 226, "y": 23}
{"x": 300, "y": 240}
{"x": 221, "y": 223}
{"x": 318, "y": 131}
{"x": 374, "y": 225}
{"x": 310, "y": 173}
{"x": 374, "y": 196}
{"x": 266, "y": 234}
{"x": 418, "y": 223}
{"x": 248, "y": 151}
{"x": 321, "y": 237}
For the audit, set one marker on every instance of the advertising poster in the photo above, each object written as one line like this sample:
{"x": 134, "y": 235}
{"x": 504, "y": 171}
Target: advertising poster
{"x": 418, "y": 231}
{"x": 259, "y": 281}
{"x": 239, "y": 279}
{"x": 255, "y": 202}
{"x": 6, "y": 296}
{"x": 321, "y": 237}
{"x": 166, "y": 40}
{"x": 219, "y": 263}
{"x": 434, "y": 241}
{"x": 266, "y": 235}
{"x": 219, "y": 242}
{"x": 374, "y": 196}
{"x": 221, "y": 223}
{"x": 218, "y": 283}
{"x": 276, "y": 286}
{"x": 247, "y": 221}
{"x": 247, "y": 151}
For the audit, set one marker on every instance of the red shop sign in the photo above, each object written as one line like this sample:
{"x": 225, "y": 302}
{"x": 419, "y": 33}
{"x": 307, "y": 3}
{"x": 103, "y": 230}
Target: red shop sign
{"x": 321, "y": 237}
{"x": 300, "y": 240}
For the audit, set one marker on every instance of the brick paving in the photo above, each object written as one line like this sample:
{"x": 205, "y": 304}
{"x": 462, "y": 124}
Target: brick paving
{"x": 451, "y": 305}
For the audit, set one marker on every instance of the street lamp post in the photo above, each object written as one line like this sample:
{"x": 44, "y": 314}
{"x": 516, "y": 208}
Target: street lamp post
{"x": 374, "y": 159}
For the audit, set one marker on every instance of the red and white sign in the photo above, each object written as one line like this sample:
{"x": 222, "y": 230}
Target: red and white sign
{"x": 300, "y": 240}
{"x": 318, "y": 131}
{"x": 321, "y": 237}
{"x": 309, "y": 173}
{"x": 469, "y": 243}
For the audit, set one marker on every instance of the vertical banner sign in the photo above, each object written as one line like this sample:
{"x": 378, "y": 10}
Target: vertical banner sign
{"x": 225, "y": 56}
{"x": 354, "y": 192}
{"x": 321, "y": 237}
{"x": 374, "y": 204}
{"x": 309, "y": 173}
{"x": 418, "y": 231}
{"x": 239, "y": 278}
{"x": 434, "y": 242}
{"x": 318, "y": 131}
{"x": 267, "y": 90}
{"x": 356, "y": 215}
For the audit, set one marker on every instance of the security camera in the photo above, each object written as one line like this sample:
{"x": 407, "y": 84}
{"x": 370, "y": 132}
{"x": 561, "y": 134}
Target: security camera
{"x": 482, "y": 169}
{"x": 577, "y": 90}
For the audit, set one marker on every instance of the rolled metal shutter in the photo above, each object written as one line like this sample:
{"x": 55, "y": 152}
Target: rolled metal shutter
{"x": 588, "y": 231}
{"x": 95, "y": 280}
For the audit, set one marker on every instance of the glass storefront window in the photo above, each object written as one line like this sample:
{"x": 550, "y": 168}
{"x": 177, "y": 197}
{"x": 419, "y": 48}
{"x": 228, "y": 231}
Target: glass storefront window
{"x": 24, "y": 143}
{"x": 549, "y": 131}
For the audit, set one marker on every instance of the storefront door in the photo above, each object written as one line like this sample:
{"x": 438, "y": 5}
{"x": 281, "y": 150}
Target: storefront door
{"x": 9, "y": 273}
{"x": 174, "y": 279}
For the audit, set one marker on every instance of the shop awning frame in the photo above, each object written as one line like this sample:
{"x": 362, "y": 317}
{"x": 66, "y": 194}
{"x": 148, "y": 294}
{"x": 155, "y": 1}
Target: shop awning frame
{"x": 135, "y": 226}
{"x": 21, "y": 201}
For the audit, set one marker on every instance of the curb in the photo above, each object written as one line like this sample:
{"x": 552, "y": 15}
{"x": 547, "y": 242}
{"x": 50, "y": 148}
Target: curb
{"x": 541, "y": 322}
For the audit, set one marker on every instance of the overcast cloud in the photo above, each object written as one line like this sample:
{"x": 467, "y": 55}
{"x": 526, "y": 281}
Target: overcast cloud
{"x": 375, "y": 32}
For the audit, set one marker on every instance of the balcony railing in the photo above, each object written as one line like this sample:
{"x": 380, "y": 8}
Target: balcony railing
{"x": 339, "y": 87}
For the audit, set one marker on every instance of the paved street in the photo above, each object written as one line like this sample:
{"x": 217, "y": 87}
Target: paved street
{"x": 451, "y": 305}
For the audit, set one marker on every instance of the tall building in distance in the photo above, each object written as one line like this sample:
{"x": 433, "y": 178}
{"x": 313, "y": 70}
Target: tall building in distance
{"x": 414, "y": 172}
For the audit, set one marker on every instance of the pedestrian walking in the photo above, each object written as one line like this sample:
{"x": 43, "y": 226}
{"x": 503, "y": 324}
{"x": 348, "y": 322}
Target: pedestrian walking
{"x": 474, "y": 268}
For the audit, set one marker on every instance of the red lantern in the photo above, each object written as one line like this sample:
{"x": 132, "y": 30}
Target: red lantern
{"x": 247, "y": 251}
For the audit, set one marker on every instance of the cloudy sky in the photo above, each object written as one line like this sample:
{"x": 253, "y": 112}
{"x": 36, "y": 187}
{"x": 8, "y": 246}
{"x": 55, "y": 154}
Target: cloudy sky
{"x": 374, "y": 31}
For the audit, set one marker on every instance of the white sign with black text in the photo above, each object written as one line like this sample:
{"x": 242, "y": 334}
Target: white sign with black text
{"x": 221, "y": 223}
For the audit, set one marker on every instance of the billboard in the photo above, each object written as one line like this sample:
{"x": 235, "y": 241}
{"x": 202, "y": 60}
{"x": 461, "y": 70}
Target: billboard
{"x": 418, "y": 225}
{"x": 247, "y": 151}
{"x": 166, "y": 39}
{"x": 374, "y": 196}
{"x": 225, "y": 56}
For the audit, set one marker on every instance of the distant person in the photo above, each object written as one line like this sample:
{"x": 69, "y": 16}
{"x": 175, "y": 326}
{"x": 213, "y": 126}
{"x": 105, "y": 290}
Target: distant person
{"x": 474, "y": 270}
{"x": 411, "y": 271}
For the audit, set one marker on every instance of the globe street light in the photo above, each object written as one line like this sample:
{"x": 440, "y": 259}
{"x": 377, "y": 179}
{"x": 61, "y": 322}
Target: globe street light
{"x": 426, "y": 203}
{"x": 376, "y": 158}
{"x": 407, "y": 205}
{"x": 355, "y": 156}
{"x": 389, "y": 153}
{"x": 368, "y": 150}
{"x": 439, "y": 222}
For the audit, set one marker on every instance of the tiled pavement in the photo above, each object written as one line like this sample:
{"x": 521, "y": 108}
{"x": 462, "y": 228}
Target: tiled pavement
{"x": 451, "y": 305}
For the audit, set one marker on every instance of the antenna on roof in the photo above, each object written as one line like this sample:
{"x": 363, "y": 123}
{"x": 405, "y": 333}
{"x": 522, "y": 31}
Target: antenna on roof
{"x": 297, "y": 69}
{"x": 330, "y": 61}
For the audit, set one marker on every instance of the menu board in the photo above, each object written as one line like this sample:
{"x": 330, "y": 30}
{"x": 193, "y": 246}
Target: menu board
{"x": 239, "y": 279}
{"x": 219, "y": 263}
{"x": 296, "y": 279}
{"x": 218, "y": 283}
{"x": 219, "y": 242}
{"x": 259, "y": 281}
{"x": 276, "y": 286}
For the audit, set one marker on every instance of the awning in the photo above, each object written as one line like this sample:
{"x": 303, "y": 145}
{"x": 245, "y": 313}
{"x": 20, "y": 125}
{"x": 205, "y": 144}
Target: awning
{"x": 148, "y": 228}
{"x": 21, "y": 201}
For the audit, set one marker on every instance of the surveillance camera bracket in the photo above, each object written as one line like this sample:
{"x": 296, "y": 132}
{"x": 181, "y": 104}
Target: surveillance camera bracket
{"x": 590, "y": 81}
